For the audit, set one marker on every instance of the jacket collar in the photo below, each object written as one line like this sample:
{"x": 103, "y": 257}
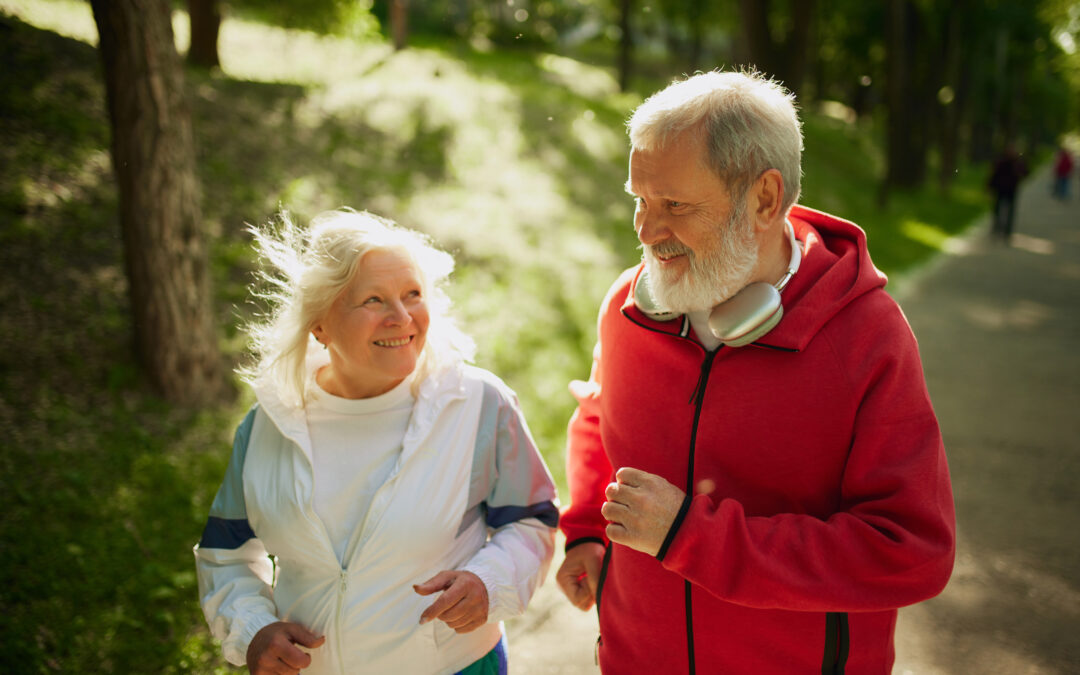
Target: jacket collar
{"x": 436, "y": 392}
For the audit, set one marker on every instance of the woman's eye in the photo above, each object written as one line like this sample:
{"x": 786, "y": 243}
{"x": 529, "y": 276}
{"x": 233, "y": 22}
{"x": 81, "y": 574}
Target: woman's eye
{"x": 372, "y": 300}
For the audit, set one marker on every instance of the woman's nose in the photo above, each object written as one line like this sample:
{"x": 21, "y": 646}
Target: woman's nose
{"x": 397, "y": 314}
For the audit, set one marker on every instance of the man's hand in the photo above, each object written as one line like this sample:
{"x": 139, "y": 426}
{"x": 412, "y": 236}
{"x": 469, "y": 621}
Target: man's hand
{"x": 641, "y": 508}
{"x": 579, "y": 574}
{"x": 464, "y": 603}
{"x": 273, "y": 650}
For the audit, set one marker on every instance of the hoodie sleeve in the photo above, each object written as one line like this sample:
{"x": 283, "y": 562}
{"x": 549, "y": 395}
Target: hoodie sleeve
{"x": 520, "y": 506}
{"x": 588, "y": 469}
{"x": 234, "y": 571}
{"x": 891, "y": 541}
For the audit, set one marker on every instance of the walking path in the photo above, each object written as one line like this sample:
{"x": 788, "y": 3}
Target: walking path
{"x": 998, "y": 328}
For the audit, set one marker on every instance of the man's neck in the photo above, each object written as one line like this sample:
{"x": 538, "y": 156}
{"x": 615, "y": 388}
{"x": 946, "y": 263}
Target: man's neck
{"x": 774, "y": 254}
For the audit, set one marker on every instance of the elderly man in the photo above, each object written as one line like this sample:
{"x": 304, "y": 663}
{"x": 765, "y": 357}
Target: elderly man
{"x": 757, "y": 476}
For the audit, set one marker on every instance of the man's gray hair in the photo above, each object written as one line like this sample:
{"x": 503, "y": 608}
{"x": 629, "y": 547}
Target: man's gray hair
{"x": 748, "y": 121}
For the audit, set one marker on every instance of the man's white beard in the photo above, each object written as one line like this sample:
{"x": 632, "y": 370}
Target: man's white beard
{"x": 723, "y": 269}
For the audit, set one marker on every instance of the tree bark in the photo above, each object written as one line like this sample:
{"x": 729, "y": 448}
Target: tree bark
{"x": 905, "y": 94}
{"x": 205, "y": 16}
{"x": 783, "y": 58}
{"x": 160, "y": 214}
{"x": 956, "y": 80}
{"x": 626, "y": 44}
{"x": 399, "y": 23}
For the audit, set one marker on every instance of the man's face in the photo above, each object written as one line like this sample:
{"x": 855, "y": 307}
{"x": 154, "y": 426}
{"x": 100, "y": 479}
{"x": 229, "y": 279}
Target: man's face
{"x": 699, "y": 245}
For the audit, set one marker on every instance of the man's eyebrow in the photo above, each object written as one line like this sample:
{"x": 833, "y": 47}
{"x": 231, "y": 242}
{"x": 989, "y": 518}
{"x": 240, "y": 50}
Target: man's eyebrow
{"x": 629, "y": 190}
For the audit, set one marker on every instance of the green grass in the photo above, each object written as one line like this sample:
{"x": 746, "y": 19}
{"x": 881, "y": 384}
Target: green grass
{"x": 513, "y": 160}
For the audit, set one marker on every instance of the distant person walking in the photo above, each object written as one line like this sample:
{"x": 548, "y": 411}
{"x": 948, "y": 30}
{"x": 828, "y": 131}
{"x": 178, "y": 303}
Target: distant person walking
{"x": 1063, "y": 166}
{"x": 1009, "y": 169}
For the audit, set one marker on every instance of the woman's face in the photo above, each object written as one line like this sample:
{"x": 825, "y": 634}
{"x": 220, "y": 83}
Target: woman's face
{"x": 376, "y": 328}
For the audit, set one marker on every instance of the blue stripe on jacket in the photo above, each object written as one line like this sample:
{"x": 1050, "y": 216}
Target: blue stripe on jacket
{"x": 546, "y": 512}
{"x": 225, "y": 533}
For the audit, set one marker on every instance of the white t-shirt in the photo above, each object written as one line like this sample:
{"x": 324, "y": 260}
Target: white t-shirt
{"x": 355, "y": 444}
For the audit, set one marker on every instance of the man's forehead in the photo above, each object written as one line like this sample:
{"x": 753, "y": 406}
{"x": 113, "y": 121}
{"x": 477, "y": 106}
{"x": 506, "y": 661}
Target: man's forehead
{"x": 662, "y": 170}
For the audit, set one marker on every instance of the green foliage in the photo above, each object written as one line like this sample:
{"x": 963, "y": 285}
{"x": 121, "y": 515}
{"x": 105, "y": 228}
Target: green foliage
{"x": 512, "y": 159}
{"x": 842, "y": 170}
{"x": 348, "y": 18}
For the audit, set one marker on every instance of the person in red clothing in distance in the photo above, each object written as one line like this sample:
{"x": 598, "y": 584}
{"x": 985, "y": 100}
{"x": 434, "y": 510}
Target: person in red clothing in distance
{"x": 757, "y": 477}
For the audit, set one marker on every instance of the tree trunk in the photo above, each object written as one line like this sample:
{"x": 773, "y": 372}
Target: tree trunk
{"x": 697, "y": 30}
{"x": 205, "y": 16}
{"x": 797, "y": 45}
{"x": 956, "y": 82}
{"x": 399, "y": 23}
{"x": 754, "y": 16}
{"x": 783, "y": 59}
{"x": 626, "y": 44}
{"x": 906, "y": 143}
{"x": 160, "y": 214}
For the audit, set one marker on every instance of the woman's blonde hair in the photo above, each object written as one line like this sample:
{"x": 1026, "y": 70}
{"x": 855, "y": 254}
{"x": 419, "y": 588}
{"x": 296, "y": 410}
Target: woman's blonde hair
{"x": 303, "y": 272}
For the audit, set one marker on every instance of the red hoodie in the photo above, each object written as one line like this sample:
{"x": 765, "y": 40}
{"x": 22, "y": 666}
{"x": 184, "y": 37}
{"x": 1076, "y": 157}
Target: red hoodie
{"x": 818, "y": 492}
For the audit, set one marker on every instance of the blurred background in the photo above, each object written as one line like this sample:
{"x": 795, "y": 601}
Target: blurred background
{"x": 496, "y": 127}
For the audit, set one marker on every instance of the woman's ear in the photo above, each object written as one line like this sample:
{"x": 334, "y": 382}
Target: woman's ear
{"x": 766, "y": 195}
{"x": 320, "y": 334}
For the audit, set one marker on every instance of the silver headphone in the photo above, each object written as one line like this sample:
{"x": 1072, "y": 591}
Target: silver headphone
{"x": 744, "y": 317}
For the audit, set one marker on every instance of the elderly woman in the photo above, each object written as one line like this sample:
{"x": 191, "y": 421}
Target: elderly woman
{"x": 385, "y": 506}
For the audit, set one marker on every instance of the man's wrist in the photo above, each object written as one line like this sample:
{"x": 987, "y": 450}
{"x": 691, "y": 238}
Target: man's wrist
{"x": 674, "y": 529}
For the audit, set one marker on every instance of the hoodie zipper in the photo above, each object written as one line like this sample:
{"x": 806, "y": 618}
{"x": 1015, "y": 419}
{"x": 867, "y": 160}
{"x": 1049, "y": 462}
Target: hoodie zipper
{"x": 697, "y": 398}
{"x": 699, "y": 401}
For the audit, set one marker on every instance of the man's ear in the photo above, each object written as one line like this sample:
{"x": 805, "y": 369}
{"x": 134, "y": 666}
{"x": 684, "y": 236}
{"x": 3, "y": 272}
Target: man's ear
{"x": 766, "y": 195}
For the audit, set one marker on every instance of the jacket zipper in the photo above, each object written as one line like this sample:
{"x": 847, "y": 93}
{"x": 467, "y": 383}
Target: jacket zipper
{"x": 343, "y": 582}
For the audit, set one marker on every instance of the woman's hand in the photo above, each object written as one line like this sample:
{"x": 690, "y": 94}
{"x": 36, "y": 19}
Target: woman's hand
{"x": 273, "y": 650}
{"x": 464, "y": 603}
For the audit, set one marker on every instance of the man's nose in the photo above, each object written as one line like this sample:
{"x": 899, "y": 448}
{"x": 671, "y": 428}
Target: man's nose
{"x": 650, "y": 228}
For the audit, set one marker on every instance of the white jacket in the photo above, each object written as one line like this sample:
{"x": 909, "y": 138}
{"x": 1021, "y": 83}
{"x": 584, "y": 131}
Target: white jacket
{"x": 469, "y": 492}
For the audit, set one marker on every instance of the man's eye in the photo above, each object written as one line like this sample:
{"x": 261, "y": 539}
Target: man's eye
{"x": 675, "y": 205}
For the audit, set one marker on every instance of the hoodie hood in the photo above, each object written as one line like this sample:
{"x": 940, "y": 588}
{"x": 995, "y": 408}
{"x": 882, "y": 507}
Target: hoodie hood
{"x": 836, "y": 270}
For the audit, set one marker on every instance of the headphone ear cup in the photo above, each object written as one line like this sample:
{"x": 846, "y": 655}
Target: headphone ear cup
{"x": 758, "y": 332}
{"x": 644, "y": 301}
{"x": 746, "y": 316}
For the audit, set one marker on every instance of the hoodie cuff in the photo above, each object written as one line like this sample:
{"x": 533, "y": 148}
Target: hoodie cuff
{"x": 583, "y": 540}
